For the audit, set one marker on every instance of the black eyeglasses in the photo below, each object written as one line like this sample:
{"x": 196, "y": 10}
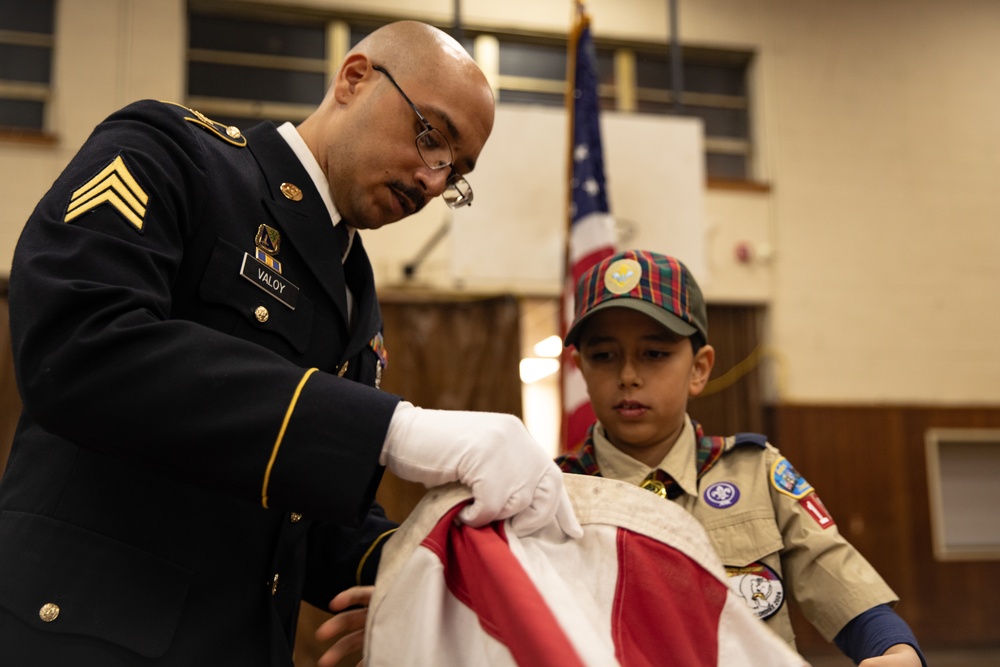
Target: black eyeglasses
{"x": 435, "y": 151}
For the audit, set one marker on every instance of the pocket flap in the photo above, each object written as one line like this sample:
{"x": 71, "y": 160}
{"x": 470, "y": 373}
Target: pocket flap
{"x": 744, "y": 538}
{"x": 224, "y": 284}
{"x": 61, "y": 578}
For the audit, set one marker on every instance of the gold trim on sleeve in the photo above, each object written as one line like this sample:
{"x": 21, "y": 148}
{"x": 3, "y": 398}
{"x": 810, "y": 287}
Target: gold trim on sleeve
{"x": 281, "y": 435}
{"x": 364, "y": 559}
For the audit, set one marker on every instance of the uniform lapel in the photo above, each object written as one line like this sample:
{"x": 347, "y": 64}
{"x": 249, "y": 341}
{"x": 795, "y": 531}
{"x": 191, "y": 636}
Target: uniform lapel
{"x": 305, "y": 223}
{"x": 362, "y": 282}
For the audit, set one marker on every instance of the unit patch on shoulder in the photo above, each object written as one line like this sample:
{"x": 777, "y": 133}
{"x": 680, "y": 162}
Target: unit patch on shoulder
{"x": 759, "y": 587}
{"x": 817, "y": 510}
{"x": 114, "y": 185}
{"x": 228, "y": 133}
{"x": 787, "y": 479}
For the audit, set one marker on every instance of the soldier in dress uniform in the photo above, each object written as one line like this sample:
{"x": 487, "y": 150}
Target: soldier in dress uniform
{"x": 198, "y": 346}
{"x": 640, "y": 335}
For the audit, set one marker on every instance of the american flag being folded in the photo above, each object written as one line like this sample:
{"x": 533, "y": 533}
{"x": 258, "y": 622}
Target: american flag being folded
{"x": 641, "y": 587}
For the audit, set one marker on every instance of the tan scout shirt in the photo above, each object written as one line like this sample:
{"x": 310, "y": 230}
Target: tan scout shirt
{"x": 775, "y": 542}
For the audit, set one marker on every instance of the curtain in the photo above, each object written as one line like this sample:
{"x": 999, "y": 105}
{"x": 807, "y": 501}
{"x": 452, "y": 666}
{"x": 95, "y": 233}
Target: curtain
{"x": 10, "y": 400}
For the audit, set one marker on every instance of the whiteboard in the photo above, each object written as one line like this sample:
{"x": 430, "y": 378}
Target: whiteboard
{"x": 512, "y": 237}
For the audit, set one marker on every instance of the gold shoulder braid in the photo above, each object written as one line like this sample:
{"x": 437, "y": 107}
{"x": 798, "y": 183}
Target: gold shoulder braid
{"x": 228, "y": 133}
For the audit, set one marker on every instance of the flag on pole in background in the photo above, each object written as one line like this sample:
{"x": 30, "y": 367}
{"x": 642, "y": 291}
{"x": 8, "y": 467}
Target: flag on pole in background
{"x": 591, "y": 235}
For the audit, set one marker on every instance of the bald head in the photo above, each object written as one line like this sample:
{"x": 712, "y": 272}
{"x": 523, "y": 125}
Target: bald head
{"x": 407, "y": 46}
{"x": 363, "y": 133}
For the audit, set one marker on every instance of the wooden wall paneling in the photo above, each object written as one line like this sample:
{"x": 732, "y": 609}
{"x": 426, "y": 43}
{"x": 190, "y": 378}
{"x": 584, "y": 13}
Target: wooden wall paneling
{"x": 868, "y": 465}
{"x": 849, "y": 455}
{"x": 953, "y": 602}
{"x": 734, "y": 332}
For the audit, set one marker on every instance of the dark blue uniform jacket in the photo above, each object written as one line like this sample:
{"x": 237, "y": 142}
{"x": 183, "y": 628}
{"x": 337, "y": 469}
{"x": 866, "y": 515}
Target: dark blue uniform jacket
{"x": 180, "y": 478}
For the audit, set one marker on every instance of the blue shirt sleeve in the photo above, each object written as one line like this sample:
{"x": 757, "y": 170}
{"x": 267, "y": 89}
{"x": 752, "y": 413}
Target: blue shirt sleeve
{"x": 869, "y": 634}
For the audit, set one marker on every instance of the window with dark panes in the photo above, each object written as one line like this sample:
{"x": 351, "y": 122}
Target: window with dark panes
{"x": 532, "y": 73}
{"x": 535, "y": 73}
{"x": 714, "y": 89}
{"x": 242, "y": 70}
{"x": 26, "y": 44}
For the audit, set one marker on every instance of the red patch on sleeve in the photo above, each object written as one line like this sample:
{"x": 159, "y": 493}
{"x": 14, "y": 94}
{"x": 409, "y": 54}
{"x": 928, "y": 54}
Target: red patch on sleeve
{"x": 814, "y": 506}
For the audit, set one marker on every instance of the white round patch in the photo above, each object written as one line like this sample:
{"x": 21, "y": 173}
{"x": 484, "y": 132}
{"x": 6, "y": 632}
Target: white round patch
{"x": 759, "y": 586}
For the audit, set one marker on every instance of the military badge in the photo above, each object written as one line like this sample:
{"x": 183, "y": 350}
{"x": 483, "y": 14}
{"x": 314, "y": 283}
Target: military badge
{"x": 264, "y": 258}
{"x": 116, "y": 186}
{"x": 268, "y": 239}
{"x": 291, "y": 191}
{"x": 228, "y": 133}
{"x": 377, "y": 344}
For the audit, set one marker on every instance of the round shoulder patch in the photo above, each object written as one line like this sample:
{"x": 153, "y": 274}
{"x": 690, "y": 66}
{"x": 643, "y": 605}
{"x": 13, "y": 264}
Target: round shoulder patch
{"x": 721, "y": 495}
{"x": 787, "y": 479}
{"x": 759, "y": 587}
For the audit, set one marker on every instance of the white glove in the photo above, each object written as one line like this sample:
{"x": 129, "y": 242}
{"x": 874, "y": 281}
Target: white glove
{"x": 491, "y": 453}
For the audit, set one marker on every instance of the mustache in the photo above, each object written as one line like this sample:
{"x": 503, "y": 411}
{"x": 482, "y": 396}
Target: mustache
{"x": 413, "y": 193}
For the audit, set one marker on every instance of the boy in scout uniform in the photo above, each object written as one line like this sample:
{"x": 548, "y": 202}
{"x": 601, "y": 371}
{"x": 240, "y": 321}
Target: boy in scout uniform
{"x": 641, "y": 342}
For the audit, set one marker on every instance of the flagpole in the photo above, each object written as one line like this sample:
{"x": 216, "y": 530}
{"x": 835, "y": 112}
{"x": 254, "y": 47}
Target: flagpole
{"x": 565, "y": 359}
{"x": 676, "y": 65}
{"x": 579, "y": 21}
{"x": 589, "y": 229}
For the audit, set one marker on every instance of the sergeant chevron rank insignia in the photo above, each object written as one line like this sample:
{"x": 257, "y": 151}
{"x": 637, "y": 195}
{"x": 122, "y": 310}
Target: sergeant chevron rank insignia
{"x": 115, "y": 186}
{"x": 270, "y": 281}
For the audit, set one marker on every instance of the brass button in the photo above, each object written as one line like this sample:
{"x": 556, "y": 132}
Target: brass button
{"x": 234, "y": 132}
{"x": 296, "y": 517}
{"x": 261, "y": 314}
{"x": 49, "y": 612}
{"x": 274, "y": 584}
{"x": 291, "y": 191}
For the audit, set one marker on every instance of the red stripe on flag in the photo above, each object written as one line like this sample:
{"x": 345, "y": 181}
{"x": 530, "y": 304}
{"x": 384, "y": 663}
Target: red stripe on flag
{"x": 580, "y": 266}
{"x": 578, "y": 421}
{"x": 656, "y": 581}
{"x": 486, "y": 577}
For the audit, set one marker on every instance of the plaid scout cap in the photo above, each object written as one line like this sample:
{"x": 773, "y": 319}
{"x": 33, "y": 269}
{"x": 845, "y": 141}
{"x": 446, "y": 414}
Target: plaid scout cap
{"x": 653, "y": 284}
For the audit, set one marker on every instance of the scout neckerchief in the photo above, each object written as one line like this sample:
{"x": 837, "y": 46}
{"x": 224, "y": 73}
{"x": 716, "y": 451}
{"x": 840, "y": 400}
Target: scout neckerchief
{"x": 582, "y": 461}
